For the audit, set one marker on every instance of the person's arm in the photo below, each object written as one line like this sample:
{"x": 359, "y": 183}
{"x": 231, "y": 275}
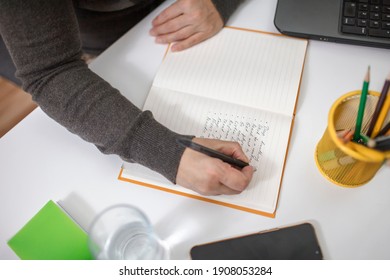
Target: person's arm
{"x": 189, "y": 22}
{"x": 226, "y": 8}
{"x": 43, "y": 39}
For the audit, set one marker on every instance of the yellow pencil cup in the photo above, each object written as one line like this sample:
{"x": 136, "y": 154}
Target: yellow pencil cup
{"x": 348, "y": 164}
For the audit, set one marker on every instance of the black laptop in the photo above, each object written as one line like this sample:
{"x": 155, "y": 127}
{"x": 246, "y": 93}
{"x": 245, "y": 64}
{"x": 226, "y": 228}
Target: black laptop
{"x": 359, "y": 22}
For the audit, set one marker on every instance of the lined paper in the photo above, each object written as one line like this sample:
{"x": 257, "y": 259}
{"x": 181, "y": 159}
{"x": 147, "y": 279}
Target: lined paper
{"x": 238, "y": 86}
{"x": 248, "y": 68}
{"x": 261, "y": 134}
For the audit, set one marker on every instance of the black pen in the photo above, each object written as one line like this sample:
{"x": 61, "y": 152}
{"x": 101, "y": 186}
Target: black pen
{"x": 212, "y": 153}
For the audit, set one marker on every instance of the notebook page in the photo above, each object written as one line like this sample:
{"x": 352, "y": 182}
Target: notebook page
{"x": 243, "y": 67}
{"x": 262, "y": 134}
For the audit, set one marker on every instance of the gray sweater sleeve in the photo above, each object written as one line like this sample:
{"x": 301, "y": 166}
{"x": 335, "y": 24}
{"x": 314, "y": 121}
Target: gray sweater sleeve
{"x": 226, "y": 7}
{"x": 43, "y": 39}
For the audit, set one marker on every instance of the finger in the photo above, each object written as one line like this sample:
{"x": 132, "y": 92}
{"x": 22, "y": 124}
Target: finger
{"x": 235, "y": 150}
{"x": 188, "y": 42}
{"x": 169, "y": 13}
{"x": 210, "y": 181}
{"x": 237, "y": 179}
{"x": 171, "y": 26}
{"x": 249, "y": 171}
{"x": 177, "y": 36}
{"x": 211, "y": 189}
{"x": 219, "y": 189}
{"x": 225, "y": 190}
{"x": 230, "y": 148}
{"x": 215, "y": 190}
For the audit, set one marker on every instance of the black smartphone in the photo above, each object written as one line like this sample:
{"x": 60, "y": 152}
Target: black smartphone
{"x": 296, "y": 242}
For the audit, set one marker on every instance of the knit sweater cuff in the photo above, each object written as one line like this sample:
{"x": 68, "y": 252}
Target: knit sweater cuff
{"x": 156, "y": 147}
{"x": 226, "y": 8}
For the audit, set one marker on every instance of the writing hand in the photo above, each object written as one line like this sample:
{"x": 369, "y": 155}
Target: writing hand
{"x": 187, "y": 23}
{"x": 211, "y": 176}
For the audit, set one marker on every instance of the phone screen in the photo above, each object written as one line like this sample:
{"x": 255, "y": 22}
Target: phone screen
{"x": 298, "y": 242}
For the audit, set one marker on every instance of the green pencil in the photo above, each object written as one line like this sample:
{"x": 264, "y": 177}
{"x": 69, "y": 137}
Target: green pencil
{"x": 362, "y": 105}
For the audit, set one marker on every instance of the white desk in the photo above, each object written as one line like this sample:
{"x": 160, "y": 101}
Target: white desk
{"x": 40, "y": 160}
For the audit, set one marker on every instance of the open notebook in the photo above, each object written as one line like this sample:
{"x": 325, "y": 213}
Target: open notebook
{"x": 240, "y": 85}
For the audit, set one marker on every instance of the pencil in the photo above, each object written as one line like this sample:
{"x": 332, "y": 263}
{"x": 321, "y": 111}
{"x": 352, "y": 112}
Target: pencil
{"x": 382, "y": 115}
{"x": 381, "y": 143}
{"x": 384, "y": 130}
{"x": 362, "y": 105}
{"x": 379, "y": 106}
{"x": 363, "y": 139}
{"x": 212, "y": 153}
{"x": 348, "y": 137}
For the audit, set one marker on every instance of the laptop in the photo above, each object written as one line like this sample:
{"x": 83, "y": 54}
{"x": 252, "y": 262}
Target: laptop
{"x": 358, "y": 22}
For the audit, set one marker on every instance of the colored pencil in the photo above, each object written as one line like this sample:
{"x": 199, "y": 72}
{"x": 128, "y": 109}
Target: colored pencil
{"x": 381, "y": 143}
{"x": 382, "y": 115}
{"x": 379, "y": 106}
{"x": 362, "y": 105}
{"x": 385, "y": 130}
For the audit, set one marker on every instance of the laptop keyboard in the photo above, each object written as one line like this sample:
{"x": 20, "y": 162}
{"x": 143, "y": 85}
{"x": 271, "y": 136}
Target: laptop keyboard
{"x": 366, "y": 18}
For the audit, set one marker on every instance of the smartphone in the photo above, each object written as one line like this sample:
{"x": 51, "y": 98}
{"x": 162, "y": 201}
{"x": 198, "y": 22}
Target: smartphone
{"x": 297, "y": 242}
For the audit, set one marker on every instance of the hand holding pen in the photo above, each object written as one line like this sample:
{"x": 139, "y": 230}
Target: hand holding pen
{"x": 208, "y": 174}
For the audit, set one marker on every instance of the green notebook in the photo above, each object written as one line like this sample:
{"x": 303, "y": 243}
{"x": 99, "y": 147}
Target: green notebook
{"x": 51, "y": 235}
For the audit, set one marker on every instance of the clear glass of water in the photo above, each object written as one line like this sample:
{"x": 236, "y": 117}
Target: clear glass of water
{"x": 123, "y": 232}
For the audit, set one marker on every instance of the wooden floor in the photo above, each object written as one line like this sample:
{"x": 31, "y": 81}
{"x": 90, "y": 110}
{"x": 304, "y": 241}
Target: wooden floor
{"x": 15, "y": 104}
